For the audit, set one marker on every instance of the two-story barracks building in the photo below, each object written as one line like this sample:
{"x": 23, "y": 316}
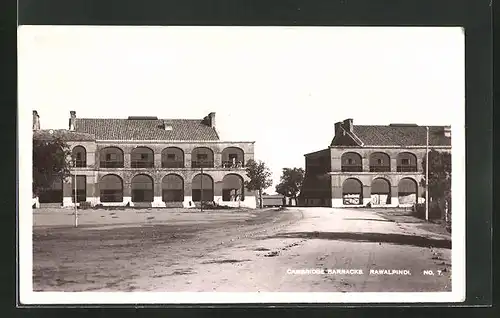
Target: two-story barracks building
{"x": 146, "y": 161}
{"x": 380, "y": 165}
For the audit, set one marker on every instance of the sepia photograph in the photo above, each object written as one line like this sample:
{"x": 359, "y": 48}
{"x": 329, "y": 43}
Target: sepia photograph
{"x": 241, "y": 164}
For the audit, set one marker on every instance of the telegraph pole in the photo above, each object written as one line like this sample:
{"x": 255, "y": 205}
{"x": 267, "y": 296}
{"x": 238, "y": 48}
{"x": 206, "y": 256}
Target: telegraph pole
{"x": 427, "y": 175}
{"x": 201, "y": 186}
{"x": 76, "y": 208}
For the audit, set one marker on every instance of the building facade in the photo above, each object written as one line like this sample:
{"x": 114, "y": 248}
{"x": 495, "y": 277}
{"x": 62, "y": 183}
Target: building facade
{"x": 149, "y": 162}
{"x": 376, "y": 165}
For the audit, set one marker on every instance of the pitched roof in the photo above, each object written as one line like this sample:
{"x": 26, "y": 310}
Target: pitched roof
{"x": 146, "y": 129}
{"x": 397, "y": 135}
{"x": 63, "y": 134}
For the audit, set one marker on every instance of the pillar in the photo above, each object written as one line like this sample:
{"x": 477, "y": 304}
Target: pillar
{"x": 394, "y": 194}
{"x": 367, "y": 194}
{"x": 91, "y": 159}
{"x": 157, "y": 195}
{"x": 217, "y": 160}
{"x": 126, "y": 160}
{"x": 127, "y": 190}
{"x": 187, "y": 160}
{"x": 366, "y": 164}
{"x": 188, "y": 195}
{"x": 157, "y": 160}
{"x": 394, "y": 164}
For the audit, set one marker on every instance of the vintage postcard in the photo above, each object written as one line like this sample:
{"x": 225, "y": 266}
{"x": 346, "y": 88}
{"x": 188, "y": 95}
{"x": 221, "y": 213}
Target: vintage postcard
{"x": 241, "y": 164}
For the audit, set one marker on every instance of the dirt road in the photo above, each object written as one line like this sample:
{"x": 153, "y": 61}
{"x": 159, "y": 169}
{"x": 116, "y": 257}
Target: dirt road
{"x": 300, "y": 249}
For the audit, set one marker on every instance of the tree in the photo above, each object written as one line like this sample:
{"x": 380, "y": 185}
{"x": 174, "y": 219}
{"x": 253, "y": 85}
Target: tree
{"x": 439, "y": 178}
{"x": 51, "y": 161}
{"x": 260, "y": 178}
{"x": 291, "y": 182}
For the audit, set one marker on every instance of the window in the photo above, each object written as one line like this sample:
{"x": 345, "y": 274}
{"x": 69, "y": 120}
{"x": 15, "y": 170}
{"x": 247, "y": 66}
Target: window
{"x": 202, "y": 156}
{"x": 405, "y": 161}
{"x": 78, "y": 156}
{"x": 349, "y": 161}
{"x": 379, "y": 161}
{"x": 108, "y": 157}
{"x": 171, "y": 156}
{"x": 144, "y": 156}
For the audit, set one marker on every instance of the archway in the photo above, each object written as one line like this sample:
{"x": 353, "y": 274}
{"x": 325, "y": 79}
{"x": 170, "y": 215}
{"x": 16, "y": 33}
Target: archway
{"x": 407, "y": 162}
{"x": 380, "y": 192}
{"x": 172, "y": 188}
{"x": 380, "y": 162}
{"x": 111, "y": 188}
{"x": 202, "y": 157}
{"x": 79, "y": 155}
{"x": 207, "y": 184}
{"x": 407, "y": 191}
{"x": 351, "y": 162}
{"x": 352, "y": 192}
{"x": 172, "y": 157}
{"x": 142, "y": 157}
{"x": 111, "y": 157}
{"x": 142, "y": 188}
{"x": 233, "y": 157}
{"x": 233, "y": 188}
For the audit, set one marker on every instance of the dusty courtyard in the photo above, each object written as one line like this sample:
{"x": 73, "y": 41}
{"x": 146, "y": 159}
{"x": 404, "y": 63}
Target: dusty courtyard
{"x": 292, "y": 250}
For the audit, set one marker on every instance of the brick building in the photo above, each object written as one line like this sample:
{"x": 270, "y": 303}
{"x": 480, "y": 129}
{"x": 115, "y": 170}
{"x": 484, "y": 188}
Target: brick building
{"x": 146, "y": 161}
{"x": 380, "y": 165}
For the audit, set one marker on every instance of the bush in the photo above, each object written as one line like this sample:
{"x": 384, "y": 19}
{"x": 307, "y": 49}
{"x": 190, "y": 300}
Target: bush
{"x": 435, "y": 212}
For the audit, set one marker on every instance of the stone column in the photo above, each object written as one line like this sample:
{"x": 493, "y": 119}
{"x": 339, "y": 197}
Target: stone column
{"x": 91, "y": 159}
{"x": 217, "y": 160}
{"x": 394, "y": 195}
{"x": 394, "y": 164}
{"x": 157, "y": 196}
{"x": 188, "y": 190}
{"x": 367, "y": 192}
{"x": 127, "y": 191}
{"x": 126, "y": 160}
{"x": 187, "y": 160}
{"x": 157, "y": 160}
{"x": 366, "y": 164}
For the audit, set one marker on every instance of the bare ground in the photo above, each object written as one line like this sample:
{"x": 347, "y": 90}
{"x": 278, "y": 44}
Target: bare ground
{"x": 235, "y": 251}
{"x": 132, "y": 244}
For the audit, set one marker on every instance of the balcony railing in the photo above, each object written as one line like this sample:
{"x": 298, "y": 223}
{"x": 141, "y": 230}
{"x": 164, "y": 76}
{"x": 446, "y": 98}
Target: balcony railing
{"x": 231, "y": 164}
{"x": 111, "y": 164}
{"x": 202, "y": 164}
{"x": 80, "y": 163}
{"x": 407, "y": 168}
{"x": 142, "y": 164}
{"x": 172, "y": 164}
{"x": 357, "y": 168}
{"x": 380, "y": 168}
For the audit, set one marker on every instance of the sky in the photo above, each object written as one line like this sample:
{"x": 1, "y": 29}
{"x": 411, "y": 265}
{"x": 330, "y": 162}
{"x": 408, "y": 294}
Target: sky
{"x": 282, "y": 87}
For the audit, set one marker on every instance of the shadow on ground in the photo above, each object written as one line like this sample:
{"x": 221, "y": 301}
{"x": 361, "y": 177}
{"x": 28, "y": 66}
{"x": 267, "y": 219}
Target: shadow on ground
{"x": 399, "y": 239}
{"x": 365, "y": 219}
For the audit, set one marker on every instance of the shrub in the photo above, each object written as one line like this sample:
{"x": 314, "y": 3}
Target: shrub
{"x": 434, "y": 211}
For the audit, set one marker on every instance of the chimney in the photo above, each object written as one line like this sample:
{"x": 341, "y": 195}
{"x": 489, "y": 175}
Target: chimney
{"x": 447, "y": 131}
{"x": 338, "y": 128}
{"x": 72, "y": 120}
{"x": 36, "y": 120}
{"x": 211, "y": 119}
{"x": 348, "y": 124}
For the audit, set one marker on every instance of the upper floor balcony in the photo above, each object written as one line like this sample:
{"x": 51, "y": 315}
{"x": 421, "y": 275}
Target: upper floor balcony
{"x": 171, "y": 158}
